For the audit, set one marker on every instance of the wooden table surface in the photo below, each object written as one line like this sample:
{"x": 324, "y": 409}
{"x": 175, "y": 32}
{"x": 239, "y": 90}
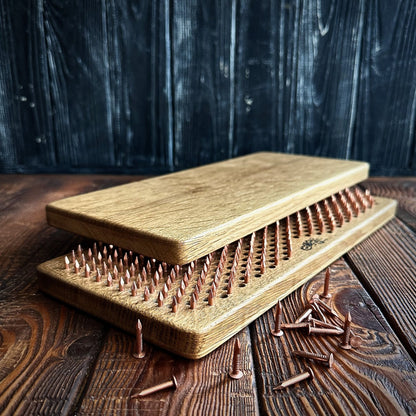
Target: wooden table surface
{"x": 57, "y": 360}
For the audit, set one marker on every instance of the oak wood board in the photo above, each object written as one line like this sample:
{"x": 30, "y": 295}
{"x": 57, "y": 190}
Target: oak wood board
{"x": 194, "y": 333}
{"x": 185, "y": 215}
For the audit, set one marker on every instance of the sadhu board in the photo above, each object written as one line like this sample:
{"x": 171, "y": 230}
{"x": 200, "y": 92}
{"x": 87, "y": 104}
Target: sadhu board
{"x": 199, "y": 254}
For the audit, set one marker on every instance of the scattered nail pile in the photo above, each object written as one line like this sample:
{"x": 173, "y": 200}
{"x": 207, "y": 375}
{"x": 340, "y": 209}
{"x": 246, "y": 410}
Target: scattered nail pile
{"x": 313, "y": 320}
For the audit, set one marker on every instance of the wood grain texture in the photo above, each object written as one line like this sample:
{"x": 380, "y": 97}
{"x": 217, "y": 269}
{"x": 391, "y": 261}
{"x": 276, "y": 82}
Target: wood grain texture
{"x": 377, "y": 378}
{"x": 394, "y": 291}
{"x": 401, "y": 189}
{"x": 185, "y": 215}
{"x": 46, "y": 349}
{"x": 204, "y": 386}
{"x": 160, "y": 86}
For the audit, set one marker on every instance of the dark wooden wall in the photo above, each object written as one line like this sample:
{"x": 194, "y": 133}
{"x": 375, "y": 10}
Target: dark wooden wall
{"x": 152, "y": 86}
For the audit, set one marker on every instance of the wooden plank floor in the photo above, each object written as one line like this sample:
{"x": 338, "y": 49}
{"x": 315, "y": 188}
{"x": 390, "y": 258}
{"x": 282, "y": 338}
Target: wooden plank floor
{"x": 57, "y": 360}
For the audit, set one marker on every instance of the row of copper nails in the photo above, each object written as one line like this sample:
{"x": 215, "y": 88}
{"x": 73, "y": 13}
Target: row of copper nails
{"x": 137, "y": 272}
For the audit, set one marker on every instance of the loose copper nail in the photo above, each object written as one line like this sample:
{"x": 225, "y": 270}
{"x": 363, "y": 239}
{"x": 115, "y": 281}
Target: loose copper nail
{"x": 318, "y": 311}
{"x": 236, "y": 372}
{"x": 327, "y": 359}
{"x": 345, "y": 343}
{"x": 154, "y": 389}
{"x": 296, "y": 325}
{"x": 139, "y": 352}
{"x": 277, "y": 331}
{"x": 322, "y": 324}
{"x": 66, "y": 260}
{"x": 315, "y": 299}
{"x": 324, "y": 331}
{"x": 326, "y": 294}
{"x": 303, "y": 315}
{"x": 134, "y": 289}
{"x": 295, "y": 379}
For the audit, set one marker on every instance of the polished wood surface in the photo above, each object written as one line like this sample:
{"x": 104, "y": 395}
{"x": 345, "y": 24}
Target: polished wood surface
{"x": 185, "y": 215}
{"x": 57, "y": 360}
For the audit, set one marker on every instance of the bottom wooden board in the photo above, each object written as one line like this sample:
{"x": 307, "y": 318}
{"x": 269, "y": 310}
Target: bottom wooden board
{"x": 303, "y": 245}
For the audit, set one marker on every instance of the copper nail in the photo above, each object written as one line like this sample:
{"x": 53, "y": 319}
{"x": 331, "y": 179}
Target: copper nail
{"x": 174, "y": 304}
{"x": 66, "y": 263}
{"x": 87, "y": 270}
{"x": 276, "y": 244}
{"x": 297, "y": 325}
{"x": 158, "y": 387}
{"x": 322, "y": 324}
{"x": 134, "y": 289}
{"x": 146, "y": 293}
{"x": 326, "y": 293}
{"x": 236, "y": 372}
{"x": 210, "y": 298}
{"x": 277, "y": 332}
{"x": 139, "y": 352}
{"x": 303, "y": 315}
{"x": 121, "y": 284}
{"x": 160, "y": 299}
{"x": 327, "y": 359}
{"x": 76, "y": 267}
{"x": 98, "y": 276}
{"x": 193, "y": 301}
{"x": 295, "y": 379}
{"x": 345, "y": 343}
{"x": 324, "y": 331}
{"x": 127, "y": 277}
{"x": 109, "y": 280}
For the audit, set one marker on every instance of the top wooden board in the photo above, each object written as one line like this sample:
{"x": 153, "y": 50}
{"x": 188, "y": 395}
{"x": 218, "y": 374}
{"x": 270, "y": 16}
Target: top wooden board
{"x": 185, "y": 215}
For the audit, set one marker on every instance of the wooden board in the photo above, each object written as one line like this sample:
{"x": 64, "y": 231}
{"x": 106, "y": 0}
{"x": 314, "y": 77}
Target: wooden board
{"x": 193, "y": 333}
{"x": 182, "y": 216}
